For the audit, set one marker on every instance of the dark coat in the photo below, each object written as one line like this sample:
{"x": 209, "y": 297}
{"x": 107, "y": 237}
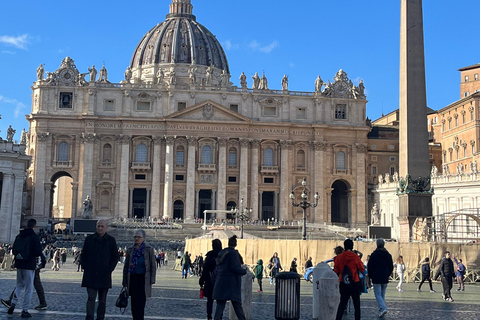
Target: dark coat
{"x": 228, "y": 283}
{"x": 446, "y": 268}
{"x": 150, "y": 267}
{"x": 380, "y": 266}
{"x": 99, "y": 259}
{"x": 35, "y": 250}
{"x": 426, "y": 270}
{"x": 205, "y": 281}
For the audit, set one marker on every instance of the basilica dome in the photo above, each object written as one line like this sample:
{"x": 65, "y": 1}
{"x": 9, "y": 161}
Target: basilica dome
{"x": 180, "y": 39}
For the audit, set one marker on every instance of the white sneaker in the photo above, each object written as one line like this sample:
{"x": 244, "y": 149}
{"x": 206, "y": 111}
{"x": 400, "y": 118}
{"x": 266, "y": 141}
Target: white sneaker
{"x": 419, "y": 290}
{"x": 400, "y": 290}
{"x": 432, "y": 291}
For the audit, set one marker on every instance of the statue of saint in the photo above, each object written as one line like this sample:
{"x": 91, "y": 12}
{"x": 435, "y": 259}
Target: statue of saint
{"x": 40, "y": 72}
{"x": 475, "y": 170}
{"x": 256, "y": 81}
{"x": 128, "y": 74}
{"x": 160, "y": 76}
{"x": 103, "y": 75}
{"x": 361, "y": 88}
{"x": 285, "y": 82}
{"x": 51, "y": 78}
{"x": 173, "y": 77}
{"x": 209, "y": 76}
{"x": 87, "y": 208}
{"x": 446, "y": 170}
{"x": 10, "y": 133}
{"x": 434, "y": 171}
{"x": 395, "y": 177}
{"x": 380, "y": 179}
{"x": 23, "y": 139}
{"x": 225, "y": 78}
{"x": 192, "y": 74}
{"x": 375, "y": 215}
{"x": 263, "y": 83}
{"x": 318, "y": 84}
{"x": 243, "y": 80}
{"x": 93, "y": 73}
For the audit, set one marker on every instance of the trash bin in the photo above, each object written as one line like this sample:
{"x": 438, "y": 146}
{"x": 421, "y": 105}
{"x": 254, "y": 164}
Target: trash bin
{"x": 287, "y": 296}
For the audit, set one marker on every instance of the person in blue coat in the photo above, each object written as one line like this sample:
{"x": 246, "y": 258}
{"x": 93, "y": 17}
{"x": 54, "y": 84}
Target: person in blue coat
{"x": 228, "y": 281}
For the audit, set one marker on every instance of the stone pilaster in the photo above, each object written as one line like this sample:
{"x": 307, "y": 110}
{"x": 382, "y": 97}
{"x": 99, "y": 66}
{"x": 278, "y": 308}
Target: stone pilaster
{"x": 39, "y": 174}
{"x": 319, "y": 147}
{"x": 155, "y": 200}
{"x": 168, "y": 185}
{"x": 75, "y": 204}
{"x": 222, "y": 174}
{"x": 48, "y": 187}
{"x": 87, "y": 177}
{"x": 190, "y": 204}
{"x": 123, "y": 196}
{"x": 244, "y": 143}
{"x": 254, "y": 180}
{"x": 359, "y": 168}
{"x": 17, "y": 202}
{"x": 285, "y": 187}
{"x": 7, "y": 229}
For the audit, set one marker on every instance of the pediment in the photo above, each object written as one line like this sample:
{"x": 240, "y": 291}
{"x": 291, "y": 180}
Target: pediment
{"x": 208, "y": 111}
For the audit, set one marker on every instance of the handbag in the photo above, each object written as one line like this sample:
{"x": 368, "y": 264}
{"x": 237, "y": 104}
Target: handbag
{"x": 122, "y": 300}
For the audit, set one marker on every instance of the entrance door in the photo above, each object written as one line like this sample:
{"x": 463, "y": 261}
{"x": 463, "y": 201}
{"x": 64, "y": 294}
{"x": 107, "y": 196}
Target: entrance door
{"x": 268, "y": 205}
{"x": 205, "y": 203}
{"x": 139, "y": 203}
{"x": 340, "y": 202}
{"x": 178, "y": 209}
{"x": 231, "y": 205}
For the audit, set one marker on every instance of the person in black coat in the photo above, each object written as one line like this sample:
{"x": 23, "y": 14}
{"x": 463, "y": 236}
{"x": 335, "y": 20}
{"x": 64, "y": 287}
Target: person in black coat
{"x": 205, "y": 280}
{"x": 426, "y": 274}
{"x": 380, "y": 267}
{"x": 228, "y": 282}
{"x": 99, "y": 258}
{"x": 447, "y": 272}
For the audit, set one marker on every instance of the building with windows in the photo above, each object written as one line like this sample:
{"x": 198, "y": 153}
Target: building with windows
{"x": 176, "y": 137}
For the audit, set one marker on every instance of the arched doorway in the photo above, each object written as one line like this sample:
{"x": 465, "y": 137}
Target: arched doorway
{"x": 231, "y": 205}
{"x": 178, "y": 209}
{"x": 340, "y": 202}
{"x": 61, "y": 199}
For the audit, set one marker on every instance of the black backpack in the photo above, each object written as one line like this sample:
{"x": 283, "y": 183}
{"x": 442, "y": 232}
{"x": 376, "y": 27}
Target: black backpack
{"x": 21, "y": 248}
{"x": 347, "y": 277}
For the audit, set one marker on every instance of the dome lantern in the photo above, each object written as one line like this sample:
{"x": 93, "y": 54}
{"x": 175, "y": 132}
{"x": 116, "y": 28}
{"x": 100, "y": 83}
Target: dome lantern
{"x": 181, "y": 8}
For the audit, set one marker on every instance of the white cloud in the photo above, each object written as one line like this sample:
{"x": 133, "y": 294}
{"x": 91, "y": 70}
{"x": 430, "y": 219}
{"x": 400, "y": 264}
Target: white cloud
{"x": 268, "y": 48}
{"x": 19, "y": 42}
{"x": 254, "y": 44}
{"x": 228, "y": 45}
{"x": 18, "y": 106}
{"x": 8, "y": 52}
{"x": 291, "y": 64}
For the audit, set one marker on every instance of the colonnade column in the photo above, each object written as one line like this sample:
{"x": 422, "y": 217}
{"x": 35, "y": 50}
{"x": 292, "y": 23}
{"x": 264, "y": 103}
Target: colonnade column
{"x": 360, "y": 195}
{"x": 319, "y": 165}
{"x": 130, "y": 203}
{"x": 197, "y": 201}
{"x": 124, "y": 209}
{"x": 88, "y": 140}
{"x": 39, "y": 179}
{"x": 155, "y": 199}
{"x": 285, "y": 187}
{"x": 243, "y": 170}
{"x": 222, "y": 176}
{"x": 7, "y": 229}
{"x": 254, "y": 181}
{"x": 74, "y": 198}
{"x": 17, "y": 202}
{"x": 190, "y": 205}
{"x": 168, "y": 185}
{"x": 147, "y": 207}
{"x": 260, "y": 205}
{"x": 327, "y": 215}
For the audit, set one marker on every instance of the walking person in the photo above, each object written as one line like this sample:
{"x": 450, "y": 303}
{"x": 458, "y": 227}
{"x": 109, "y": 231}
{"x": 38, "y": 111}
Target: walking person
{"x": 185, "y": 262}
{"x": 259, "y": 274}
{"x": 380, "y": 267}
{"x": 347, "y": 265}
{"x": 426, "y": 274}
{"x": 228, "y": 282}
{"x": 139, "y": 274}
{"x": 400, "y": 265}
{"x": 206, "y": 280}
{"x": 460, "y": 273}
{"x": 293, "y": 265}
{"x": 446, "y": 271}
{"x": 26, "y": 249}
{"x": 99, "y": 258}
{"x": 276, "y": 267}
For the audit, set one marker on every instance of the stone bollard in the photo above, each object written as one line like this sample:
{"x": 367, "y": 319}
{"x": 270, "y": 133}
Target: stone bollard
{"x": 246, "y": 296}
{"x": 326, "y": 294}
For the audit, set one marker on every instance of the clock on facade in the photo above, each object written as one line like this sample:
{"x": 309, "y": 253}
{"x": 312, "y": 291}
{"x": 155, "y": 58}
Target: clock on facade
{"x": 67, "y": 75}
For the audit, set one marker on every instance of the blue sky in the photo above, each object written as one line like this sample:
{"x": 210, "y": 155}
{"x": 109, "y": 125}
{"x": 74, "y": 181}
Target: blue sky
{"x": 302, "y": 39}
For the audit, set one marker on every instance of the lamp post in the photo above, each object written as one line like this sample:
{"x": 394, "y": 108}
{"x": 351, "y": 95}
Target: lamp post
{"x": 242, "y": 214}
{"x": 304, "y": 204}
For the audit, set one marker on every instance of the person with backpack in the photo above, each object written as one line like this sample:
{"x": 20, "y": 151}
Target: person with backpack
{"x": 460, "y": 273}
{"x": 207, "y": 277}
{"x": 347, "y": 266}
{"x": 26, "y": 249}
{"x": 259, "y": 273}
{"x": 380, "y": 267}
{"x": 426, "y": 275}
{"x": 228, "y": 282}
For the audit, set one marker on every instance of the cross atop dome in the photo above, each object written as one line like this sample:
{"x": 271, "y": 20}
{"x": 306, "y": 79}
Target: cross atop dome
{"x": 181, "y": 8}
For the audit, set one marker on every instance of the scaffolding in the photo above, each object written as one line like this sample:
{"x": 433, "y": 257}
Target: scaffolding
{"x": 459, "y": 226}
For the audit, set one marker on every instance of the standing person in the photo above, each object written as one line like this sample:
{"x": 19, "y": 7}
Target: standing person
{"x": 165, "y": 259}
{"x": 228, "y": 282}
{"x": 426, "y": 275}
{"x": 78, "y": 258}
{"x": 309, "y": 263}
{"x": 259, "y": 274}
{"x": 185, "y": 263}
{"x": 276, "y": 266}
{"x": 293, "y": 265}
{"x": 460, "y": 273}
{"x": 200, "y": 264}
{"x": 206, "y": 282}
{"x": 64, "y": 257}
{"x": 56, "y": 260}
{"x": 99, "y": 258}
{"x": 380, "y": 267}
{"x": 446, "y": 271}
{"x": 26, "y": 249}
{"x": 400, "y": 271}
{"x": 139, "y": 273}
{"x": 347, "y": 265}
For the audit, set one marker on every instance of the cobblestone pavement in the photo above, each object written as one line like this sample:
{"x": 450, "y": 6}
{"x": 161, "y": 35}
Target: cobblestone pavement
{"x": 175, "y": 298}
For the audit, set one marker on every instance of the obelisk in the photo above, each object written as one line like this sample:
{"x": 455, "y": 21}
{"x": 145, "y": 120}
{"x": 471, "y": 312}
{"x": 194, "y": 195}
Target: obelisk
{"x": 415, "y": 195}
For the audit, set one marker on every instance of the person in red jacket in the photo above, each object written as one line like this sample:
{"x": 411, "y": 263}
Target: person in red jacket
{"x": 348, "y": 278}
